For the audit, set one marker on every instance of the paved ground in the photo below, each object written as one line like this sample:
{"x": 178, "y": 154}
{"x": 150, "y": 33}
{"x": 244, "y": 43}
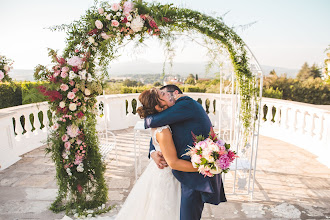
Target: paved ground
{"x": 290, "y": 184}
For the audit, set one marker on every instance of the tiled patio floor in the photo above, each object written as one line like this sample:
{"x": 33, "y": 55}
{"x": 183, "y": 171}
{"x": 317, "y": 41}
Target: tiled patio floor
{"x": 290, "y": 184}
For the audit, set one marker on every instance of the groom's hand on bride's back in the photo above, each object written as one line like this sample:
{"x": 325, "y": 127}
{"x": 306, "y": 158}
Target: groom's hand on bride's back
{"x": 157, "y": 156}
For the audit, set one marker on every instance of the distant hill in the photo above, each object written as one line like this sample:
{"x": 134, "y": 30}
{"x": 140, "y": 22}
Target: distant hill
{"x": 145, "y": 67}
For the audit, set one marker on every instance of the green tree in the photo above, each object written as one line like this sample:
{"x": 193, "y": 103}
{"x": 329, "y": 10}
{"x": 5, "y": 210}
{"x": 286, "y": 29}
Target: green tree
{"x": 156, "y": 84}
{"x": 196, "y": 77}
{"x": 130, "y": 83}
{"x": 315, "y": 71}
{"x": 190, "y": 81}
{"x": 272, "y": 73}
{"x": 304, "y": 72}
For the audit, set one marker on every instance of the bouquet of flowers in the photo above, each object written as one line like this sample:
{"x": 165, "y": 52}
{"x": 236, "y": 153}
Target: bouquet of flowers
{"x": 5, "y": 67}
{"x": 211, "y": 155}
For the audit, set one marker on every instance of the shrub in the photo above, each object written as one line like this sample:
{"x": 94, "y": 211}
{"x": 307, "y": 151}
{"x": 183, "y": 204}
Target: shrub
{"x": 10, "y": 95}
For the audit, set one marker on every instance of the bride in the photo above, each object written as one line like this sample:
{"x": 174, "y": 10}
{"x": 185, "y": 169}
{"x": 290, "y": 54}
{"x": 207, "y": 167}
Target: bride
{"x": 156, "y": 195}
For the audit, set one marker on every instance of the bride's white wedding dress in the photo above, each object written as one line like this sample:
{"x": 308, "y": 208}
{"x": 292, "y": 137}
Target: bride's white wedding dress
{"x": 156, "y": 194}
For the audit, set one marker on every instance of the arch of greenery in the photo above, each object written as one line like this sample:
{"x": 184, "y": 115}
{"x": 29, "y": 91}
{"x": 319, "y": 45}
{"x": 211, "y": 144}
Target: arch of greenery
{"x": 92, "y": 42}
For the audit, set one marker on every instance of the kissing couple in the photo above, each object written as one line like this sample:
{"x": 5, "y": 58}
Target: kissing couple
{"x": 170, "y": 188}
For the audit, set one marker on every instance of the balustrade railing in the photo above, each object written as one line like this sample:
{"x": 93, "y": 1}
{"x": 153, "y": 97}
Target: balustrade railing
{"x": 24, "y": 128}
{"x": 304, "y": 125}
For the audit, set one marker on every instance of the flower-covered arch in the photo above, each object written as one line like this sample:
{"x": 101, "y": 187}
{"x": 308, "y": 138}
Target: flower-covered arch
{"x": 92, "y": 42}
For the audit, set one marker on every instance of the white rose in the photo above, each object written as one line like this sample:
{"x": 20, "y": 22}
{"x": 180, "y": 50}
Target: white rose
{"x": 118, "y": 14}
{"x": 129, "y": 17}
{"x": 73, "y": 107}
{"x": 6, "y": 68}
{"x": 83, "y": 108}
{"x": 128, "y": 24}
{"x": 91, "y": 40}
{"x": 72, "y": 75}
{"x": 87, "y": 92}
{"x": 62, "y": 104}
{"x": 108, "y": 17}
{"x": 137, "y": 24}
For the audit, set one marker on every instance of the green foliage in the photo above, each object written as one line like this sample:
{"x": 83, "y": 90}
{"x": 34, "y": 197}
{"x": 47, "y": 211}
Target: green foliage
{"x": 190, "y": 81}
{"x": 308, "y": 72}
{"x": 10, "y": 95}
{"x": 314, "y": 91}
{"x": 271, "y": 93}
{"x": 30, "y": 92}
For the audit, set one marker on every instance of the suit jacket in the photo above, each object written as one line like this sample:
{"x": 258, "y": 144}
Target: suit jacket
{"x": 184, "y": 117}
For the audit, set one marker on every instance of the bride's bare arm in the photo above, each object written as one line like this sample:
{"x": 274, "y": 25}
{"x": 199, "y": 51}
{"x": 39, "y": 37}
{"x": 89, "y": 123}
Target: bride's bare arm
{"x": 167, "y": 147}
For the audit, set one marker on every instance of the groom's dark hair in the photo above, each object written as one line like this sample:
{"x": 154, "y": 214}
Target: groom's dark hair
{"x": 171, "y": 88}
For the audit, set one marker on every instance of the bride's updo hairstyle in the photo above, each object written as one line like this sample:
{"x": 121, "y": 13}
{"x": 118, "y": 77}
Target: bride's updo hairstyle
{"x": 149, "y": 99}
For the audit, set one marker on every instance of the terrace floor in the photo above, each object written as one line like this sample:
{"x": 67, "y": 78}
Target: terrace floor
{"x": 290, "y": 184}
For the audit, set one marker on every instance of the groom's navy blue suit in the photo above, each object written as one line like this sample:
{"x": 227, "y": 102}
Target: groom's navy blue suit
{"x": 184, "y": 117}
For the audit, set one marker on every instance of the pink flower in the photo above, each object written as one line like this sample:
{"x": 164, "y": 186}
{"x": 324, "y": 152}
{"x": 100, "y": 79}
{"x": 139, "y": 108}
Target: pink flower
{"x": 79, "y": 141}
{"x": 55, "y": 126}
{"x": 56, "y": 73}
{"x": 67, "y": 145}
{"x": 114, "y": 23}
{"x": 65, "y": 138}
{"x": 71, "y": 95}
{"x": 79, "y": 188}
{"x": 71, "y": 83}
{"x": 98, "y": 24}
{"x": 2, "y": 75}
{"x": 75, "y": 90}
{"x": 128, "y": 7}
{"x": 76, "y": 50}
{"x": 64, "y": 87}
{"x": 115, "y": 7}
{"x": 64, "y": 74}
{"x": 72, "y": 130}
{"x": 101, "y": 10}
{"x": 105, "y": 36}
{"x": 224, "y": 162}
{"x": 65, "y": 69}
{"x": 75, "y": 61}
{"x": 196, "y": 159}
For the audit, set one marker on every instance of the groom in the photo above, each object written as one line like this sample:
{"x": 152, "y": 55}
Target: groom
{"x": 185, "y": 116}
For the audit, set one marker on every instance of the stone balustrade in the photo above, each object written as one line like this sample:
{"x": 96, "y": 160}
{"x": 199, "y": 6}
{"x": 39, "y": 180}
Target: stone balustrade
{"x": 304, "y": 125}
{"x": 24, "y": 128}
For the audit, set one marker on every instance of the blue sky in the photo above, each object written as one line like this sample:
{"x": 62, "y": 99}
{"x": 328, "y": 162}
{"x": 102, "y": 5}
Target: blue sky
{"x": 286, "y": 33}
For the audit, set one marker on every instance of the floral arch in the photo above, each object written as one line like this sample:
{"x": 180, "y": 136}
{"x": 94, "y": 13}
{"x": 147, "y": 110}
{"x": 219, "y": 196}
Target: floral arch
{"x": 92, "y": 42}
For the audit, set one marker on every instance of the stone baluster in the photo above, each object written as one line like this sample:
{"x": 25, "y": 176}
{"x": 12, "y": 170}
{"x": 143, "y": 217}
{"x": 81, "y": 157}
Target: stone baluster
{"x": 278, "y": 115}
{"x": 269, "y": 115}
{"x": 312, "y": 125}
{"x": 28, "y": 125}
{"x": 46, "y": 120}
{"x": 129, "y": 108}
{"x": 18, "y": 127}
{"x": 303, "y": 122}
{"x": 284, "y": 118}
{"x": 318, "y": 126}
{"x": 38, "y": 122}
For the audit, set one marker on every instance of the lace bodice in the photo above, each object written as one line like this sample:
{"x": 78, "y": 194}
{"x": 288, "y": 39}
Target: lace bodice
{"x": 154, "y": 131}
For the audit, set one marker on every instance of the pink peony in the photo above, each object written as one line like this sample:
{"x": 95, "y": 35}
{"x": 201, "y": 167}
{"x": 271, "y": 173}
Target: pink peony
{"x": 64, "y": 74}
{"x": 67, "y": 145}
{"x": 224, "y": 162}
{"x": 101, "y": 10}
{"x": 72, "y": 130}
{"x": 71, "y": 95}
{"x": 64, "y": 87}
{"x": 98, "y": 24}
{"x": 75, "y": 61}
{"x": 128, "y": 7}
{"x": 114, "y": 23}
{"x": 2, "y": 75}
{"x": 115, "y": 7}
{"x": 65, "y": 69}
{"x": 65, "y": 138}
